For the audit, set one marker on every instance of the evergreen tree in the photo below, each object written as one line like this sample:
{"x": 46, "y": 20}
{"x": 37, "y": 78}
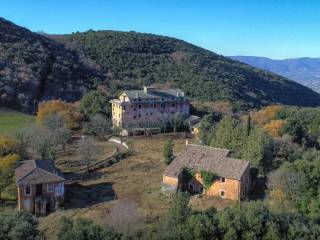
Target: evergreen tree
{"x": 168, "y": 151}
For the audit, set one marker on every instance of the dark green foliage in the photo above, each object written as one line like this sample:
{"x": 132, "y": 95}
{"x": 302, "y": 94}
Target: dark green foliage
{"x": 93, "y": 103}
{"x": 257, "y": 147}
{"x": 132, "y": 59}
{"x": 18, "y": 226}
{"x": 206, "y": 125}
{"x": 302, "y": 124}
{"x": 253, "y": 221}
{"x": 82, "y": 229}
{"x": 208, "y": 178}
{"x": 168, "y": 151}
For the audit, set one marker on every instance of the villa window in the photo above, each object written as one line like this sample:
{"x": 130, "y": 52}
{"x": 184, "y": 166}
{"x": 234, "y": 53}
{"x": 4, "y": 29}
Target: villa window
{"x": 50, "y": 187}
{"x": 134, "y": 109}
{"x": 139, "y": 106}
{"x": 134, "y": 117}
{"x": 223, "y": 179}
{"x": 27, "y": 191}
{"x": 173, "y": 105}
{"x": 139, "y": 115}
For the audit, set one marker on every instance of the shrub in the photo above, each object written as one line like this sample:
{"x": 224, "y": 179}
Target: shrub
{"x": 83, "y": 229}
{"x": 208, "y": 178}
{"x": 7, "y": 145}
{"x": 168, "y": 151}
{"x": 18, "y": 226}
{"x": 7, "y": 164}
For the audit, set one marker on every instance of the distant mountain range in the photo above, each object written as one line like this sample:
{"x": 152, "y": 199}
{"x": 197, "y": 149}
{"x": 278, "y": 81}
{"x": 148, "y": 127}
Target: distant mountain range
{"x": 303, "y": 70}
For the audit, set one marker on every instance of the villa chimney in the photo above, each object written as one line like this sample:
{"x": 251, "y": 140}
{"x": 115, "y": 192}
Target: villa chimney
{"x": 147, "y": 89}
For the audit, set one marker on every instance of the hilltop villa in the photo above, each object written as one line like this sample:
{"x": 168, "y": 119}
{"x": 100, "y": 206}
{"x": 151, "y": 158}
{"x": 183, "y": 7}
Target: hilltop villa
{"x": 231, "y": 181}
{"x": 40, "y": 186}
{"x": 148, "y": 107}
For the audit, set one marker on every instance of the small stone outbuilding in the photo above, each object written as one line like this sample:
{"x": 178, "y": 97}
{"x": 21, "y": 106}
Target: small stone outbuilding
{"x": 40, "y": 186}
{"x": 233, "y": 177}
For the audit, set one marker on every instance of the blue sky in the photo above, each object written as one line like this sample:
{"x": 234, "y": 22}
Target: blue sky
{"x": 271, "y": 28}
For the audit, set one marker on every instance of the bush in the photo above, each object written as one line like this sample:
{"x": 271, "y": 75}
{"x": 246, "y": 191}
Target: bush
{"x": 7, "y": 164}
{"x": 18, "y": 226}
{"x": 168, "y": 151}
{"x": 208, "y": 178}
{"x": 7, "y": 146}
{"x": 82, "y": 229}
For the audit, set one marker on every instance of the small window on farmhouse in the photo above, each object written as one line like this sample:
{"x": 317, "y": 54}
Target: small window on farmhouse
{"x": 223, "y": 179}
{"x": 50, "y": 187}
{"x": 27, "y": 190}
{"x": 222, "y": 194}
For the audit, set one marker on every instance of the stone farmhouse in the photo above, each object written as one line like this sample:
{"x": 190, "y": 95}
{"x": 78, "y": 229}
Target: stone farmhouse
{"x": 232, "y": 181}
{"x": 149, "y": 107}
{"x": 40, "y": 186}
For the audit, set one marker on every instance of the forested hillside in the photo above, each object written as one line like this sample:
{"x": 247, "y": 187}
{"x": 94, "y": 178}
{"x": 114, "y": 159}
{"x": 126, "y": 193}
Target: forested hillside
{"x": 132, "y": 59}
{"x": 36, "y": 67}
{"x": 33, "y": 67}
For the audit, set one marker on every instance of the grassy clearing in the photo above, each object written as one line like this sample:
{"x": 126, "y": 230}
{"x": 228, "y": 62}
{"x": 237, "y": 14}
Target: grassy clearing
{"x": 11, "y": 121}
{"x": 136, "y": 178}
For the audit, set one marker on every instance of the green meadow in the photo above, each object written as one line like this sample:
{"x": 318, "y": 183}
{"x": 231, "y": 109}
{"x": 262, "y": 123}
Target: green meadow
{"x": 11, "y": 121}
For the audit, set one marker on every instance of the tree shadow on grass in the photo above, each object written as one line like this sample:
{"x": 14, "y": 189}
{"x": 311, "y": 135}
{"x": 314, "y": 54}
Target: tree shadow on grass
{"x": 81, "y": 196}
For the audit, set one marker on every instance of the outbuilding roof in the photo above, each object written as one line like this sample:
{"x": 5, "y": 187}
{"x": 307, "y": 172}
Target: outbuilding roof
{"x": 37, "y": 171}
{"x": 211, "y": 159}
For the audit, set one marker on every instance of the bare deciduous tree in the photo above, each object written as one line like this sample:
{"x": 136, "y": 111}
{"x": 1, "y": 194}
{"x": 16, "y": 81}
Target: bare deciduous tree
{"x": 87, "y": 150}
{"x": 42, "y": 142}
{"x": 99, "y": 125}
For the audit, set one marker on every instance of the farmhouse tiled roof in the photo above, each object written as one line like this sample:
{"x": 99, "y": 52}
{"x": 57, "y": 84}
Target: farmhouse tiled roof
{"x": 215, "y": 160}
{"x": 156, "y": 93}
{"x": 37, "y": 171}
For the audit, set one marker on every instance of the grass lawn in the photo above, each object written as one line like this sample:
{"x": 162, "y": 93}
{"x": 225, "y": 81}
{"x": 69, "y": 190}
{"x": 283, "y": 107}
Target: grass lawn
{"x": 11, "y": 121}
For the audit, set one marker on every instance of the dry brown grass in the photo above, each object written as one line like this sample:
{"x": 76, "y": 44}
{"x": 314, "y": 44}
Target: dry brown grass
{"x": 136, "y": 177}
